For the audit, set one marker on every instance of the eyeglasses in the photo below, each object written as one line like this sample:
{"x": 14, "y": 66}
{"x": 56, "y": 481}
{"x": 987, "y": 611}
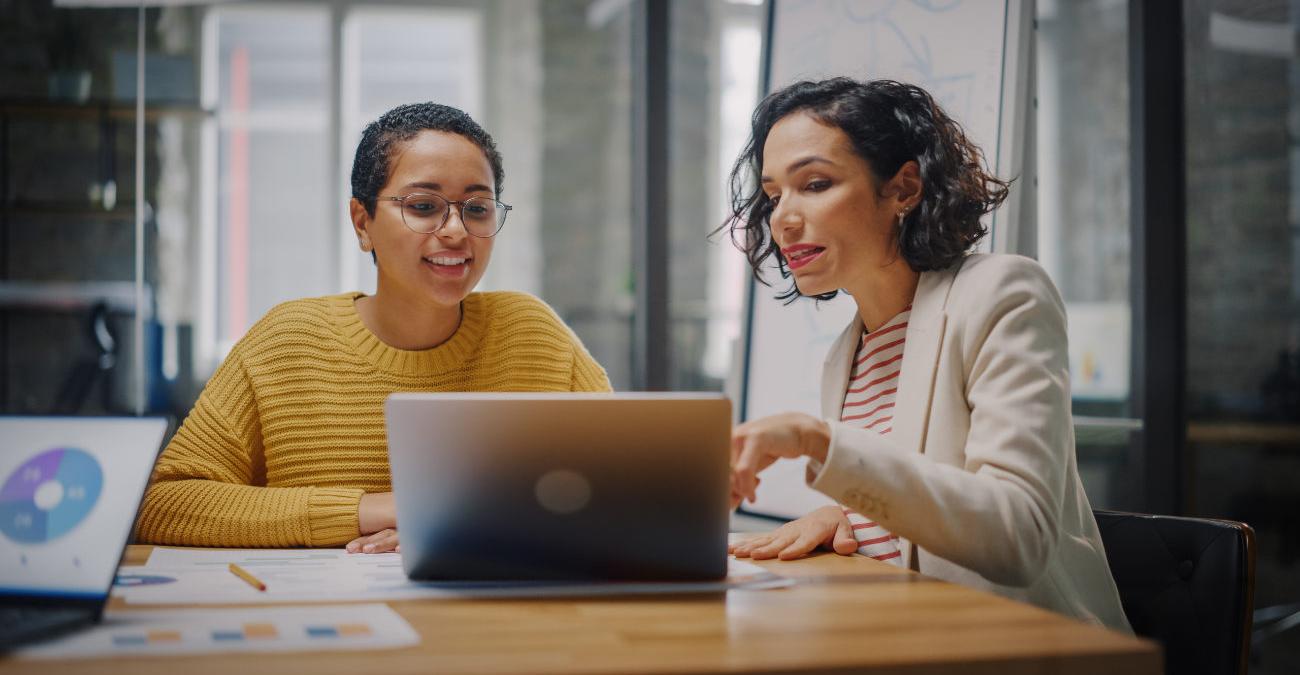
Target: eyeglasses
{"x": 426, "y": 213}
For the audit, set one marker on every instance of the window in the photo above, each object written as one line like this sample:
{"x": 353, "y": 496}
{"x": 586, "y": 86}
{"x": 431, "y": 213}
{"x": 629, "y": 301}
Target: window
{"x": 271, "y": 239}
{"x": 550, "y": 81}
{"x": 715, "y": 80}
{"x": 1243, "y": 288}
{"x": 290, "y": 86}
{"x": 1084, "y": 231}
{"x": 393, "y": 56}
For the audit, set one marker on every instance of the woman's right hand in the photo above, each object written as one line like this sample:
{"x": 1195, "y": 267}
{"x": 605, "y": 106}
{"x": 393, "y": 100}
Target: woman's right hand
{"x": 827, "y": 526}
{"x": 377, "y": 521}
{"x": 382, "y": 541}
{"x": 377, "y": 511}
{"x": 756, "y": 444}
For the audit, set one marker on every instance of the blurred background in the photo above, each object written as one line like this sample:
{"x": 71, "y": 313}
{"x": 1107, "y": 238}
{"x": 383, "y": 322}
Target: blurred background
{"x": 251, "y": 111}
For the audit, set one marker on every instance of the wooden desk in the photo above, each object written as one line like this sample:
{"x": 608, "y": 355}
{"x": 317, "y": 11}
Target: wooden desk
{"x": 845, "y": 615}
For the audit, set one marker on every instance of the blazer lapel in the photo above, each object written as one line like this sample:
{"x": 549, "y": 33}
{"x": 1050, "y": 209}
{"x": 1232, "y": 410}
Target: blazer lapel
{"x": 921, "y": 359}
{"x": 916, "y": 380}
{"x": 915, "y": 395}
{"x": 838, "y": 367}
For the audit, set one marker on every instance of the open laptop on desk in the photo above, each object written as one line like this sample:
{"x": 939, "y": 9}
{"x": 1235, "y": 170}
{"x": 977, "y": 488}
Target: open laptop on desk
{"x": 69, "y": 491}
{"x": 561, "y": 486}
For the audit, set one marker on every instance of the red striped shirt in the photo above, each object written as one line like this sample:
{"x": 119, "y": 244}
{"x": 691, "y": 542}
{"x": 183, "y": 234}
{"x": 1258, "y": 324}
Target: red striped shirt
{"x": 869, "y": 403}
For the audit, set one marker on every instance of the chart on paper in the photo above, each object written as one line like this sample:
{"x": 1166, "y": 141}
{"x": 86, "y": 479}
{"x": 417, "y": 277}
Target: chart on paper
{"x": 196, "y": 576}
{"x": 253, "y": 629}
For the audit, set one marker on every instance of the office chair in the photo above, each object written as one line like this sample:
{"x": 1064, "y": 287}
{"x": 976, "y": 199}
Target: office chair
{"x": 91, "y": 370}
{"x": 1187, "y": 583}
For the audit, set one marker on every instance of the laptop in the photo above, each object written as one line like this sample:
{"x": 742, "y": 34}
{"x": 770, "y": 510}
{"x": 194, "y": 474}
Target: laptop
{"x": 541, "y": 487}
{"x": 69, "y": 491}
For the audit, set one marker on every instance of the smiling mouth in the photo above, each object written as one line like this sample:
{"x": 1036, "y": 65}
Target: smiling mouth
{"x": 801, "y": 256}
{"x": 448, "y": 266}
{"x": 446, "y": 260}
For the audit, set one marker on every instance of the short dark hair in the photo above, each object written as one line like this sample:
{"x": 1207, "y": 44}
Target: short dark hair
{"x": 889, "y": 124}
{"x": 370, "y": 167}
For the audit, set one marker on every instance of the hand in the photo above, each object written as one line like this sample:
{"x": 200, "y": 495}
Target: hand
{"x": 756, "y": 444}
{"x": 382, "y": 541}
{"x": 736, "y": 496}
{"x": 827, "y": 527}
{"x": 377, "y": 511}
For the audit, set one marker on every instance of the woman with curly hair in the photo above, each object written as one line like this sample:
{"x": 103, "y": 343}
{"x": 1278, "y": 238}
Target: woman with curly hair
{"x": 946, "y": 430}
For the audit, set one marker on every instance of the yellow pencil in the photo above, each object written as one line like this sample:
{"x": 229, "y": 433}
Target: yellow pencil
{"x": 242, "y": 574}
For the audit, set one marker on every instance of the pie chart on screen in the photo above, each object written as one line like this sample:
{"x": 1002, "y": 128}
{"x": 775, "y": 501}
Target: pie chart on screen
{"x": 46, "y": 497}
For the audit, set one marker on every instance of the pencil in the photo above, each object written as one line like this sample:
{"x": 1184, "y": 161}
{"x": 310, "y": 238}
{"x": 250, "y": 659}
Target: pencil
{"x": 242, "y": 574}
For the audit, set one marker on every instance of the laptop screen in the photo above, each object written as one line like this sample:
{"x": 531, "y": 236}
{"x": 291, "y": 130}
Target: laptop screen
{"x": 69, "y": 491}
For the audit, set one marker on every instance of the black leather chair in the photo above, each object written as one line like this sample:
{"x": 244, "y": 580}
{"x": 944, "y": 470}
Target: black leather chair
{"x": 1186, "y": 583}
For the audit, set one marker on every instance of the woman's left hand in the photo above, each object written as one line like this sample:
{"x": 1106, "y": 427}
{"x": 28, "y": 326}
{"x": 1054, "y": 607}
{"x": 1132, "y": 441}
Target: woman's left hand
{"x": 382, "y": 541}
{"x": 756, "y": 444}
{"x": 827, "y": 527}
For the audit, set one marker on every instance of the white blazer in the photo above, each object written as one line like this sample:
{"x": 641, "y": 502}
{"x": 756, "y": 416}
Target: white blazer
{"x": 979, "y": 473}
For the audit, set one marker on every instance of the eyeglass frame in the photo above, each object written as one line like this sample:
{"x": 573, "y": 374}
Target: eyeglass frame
{"x": 460, "y": 212}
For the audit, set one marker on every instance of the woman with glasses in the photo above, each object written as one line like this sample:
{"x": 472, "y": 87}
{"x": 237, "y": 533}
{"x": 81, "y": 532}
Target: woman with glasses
{"x": 945, "y": 428}
{"x": 286, "y": 445}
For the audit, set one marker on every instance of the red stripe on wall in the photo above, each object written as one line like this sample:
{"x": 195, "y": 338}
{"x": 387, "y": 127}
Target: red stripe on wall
{"x": 237, "y": 218}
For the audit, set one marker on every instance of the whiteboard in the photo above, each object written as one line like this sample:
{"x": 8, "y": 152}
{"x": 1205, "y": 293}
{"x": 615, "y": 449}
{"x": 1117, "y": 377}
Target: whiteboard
{"x": 972, "y": 56}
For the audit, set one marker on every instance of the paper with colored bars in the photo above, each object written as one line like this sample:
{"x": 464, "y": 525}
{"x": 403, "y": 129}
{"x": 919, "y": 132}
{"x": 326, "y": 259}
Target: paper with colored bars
{"x": 249, "y": 629}
{"x": 201, "y": 576}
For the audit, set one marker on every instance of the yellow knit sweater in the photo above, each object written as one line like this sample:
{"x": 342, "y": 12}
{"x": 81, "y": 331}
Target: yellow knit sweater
{"x": 289, "y": 432}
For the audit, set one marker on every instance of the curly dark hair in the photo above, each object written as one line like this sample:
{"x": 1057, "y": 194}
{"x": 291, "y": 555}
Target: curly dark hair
{"x": 370, "y": 167}
{"x": 889, "y": 124}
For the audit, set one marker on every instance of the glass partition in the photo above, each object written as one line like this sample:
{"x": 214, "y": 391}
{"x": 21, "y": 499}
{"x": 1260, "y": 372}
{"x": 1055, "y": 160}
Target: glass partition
{"x": 1084, "y": 229}
{"x": 715, "y": 84}
{"x": 251, "y": 115}
{"x": 68, "y": 206}
{"x": 1243, "y": 292}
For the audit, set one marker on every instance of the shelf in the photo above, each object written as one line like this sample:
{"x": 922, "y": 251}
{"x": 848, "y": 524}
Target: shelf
{"x": 100, "y": 108}
{"x": 85, "y": 210}
{"x": 1104, "y": 431}
{"x": 1244, "y": 433}
{"x": 72, "y": 296}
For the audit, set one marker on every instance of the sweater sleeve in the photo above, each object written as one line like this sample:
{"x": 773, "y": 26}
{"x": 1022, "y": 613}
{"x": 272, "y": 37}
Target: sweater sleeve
{"x": 206, "y": 487}
{"x": 587, "y": 374}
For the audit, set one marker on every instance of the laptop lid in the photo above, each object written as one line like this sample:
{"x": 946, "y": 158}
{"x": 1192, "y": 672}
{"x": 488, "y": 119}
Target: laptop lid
{"x": 561, "y": 486}
{"x": 69, "y": 491}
